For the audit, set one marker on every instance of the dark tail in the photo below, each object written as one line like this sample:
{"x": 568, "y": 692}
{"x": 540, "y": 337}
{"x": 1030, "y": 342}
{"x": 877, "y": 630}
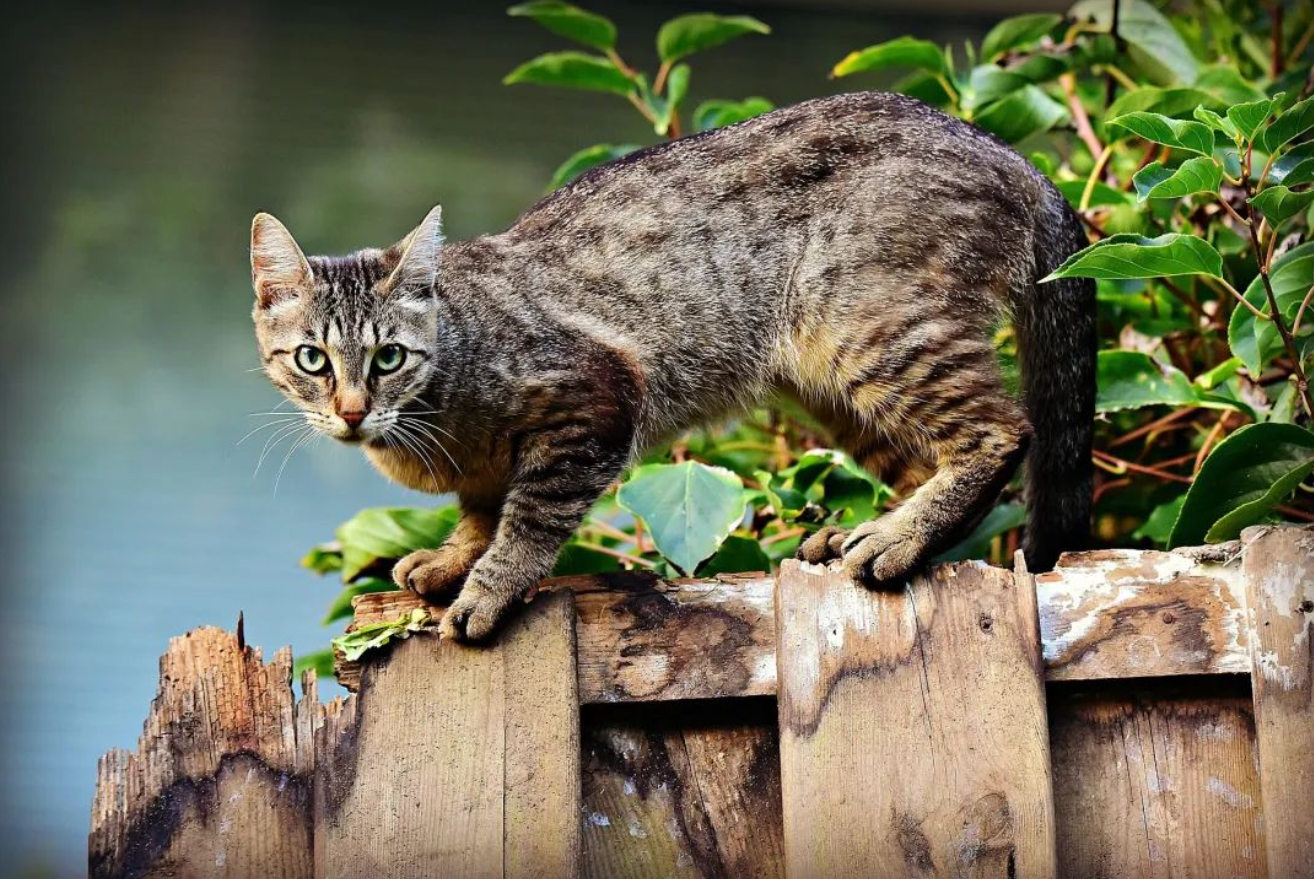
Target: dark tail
{"x": 1055, "y": 324}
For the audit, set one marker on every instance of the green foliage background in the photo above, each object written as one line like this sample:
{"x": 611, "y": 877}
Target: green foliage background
{"x": 1180, "y": 131}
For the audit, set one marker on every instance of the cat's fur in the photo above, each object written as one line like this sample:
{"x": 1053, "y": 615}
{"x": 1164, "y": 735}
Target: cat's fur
{"x": 855, "y": 252}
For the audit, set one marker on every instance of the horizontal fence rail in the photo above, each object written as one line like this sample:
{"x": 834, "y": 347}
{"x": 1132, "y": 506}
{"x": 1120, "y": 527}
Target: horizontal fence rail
{"x": 1130, "y": 714}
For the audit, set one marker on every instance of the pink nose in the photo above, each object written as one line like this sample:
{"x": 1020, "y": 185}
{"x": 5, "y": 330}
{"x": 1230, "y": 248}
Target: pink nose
{"x": 353, "y": 419}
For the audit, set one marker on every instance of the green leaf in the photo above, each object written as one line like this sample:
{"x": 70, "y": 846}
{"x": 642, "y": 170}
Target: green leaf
{"x": 1248, "y": 117}
{"x": 576, "y": 558}
{"x": 324, "y": 559}
{"x": 341, "y": 607}
{"x": 785, "y": 502}
{"x": 846, "y": 491}
{"x": 717, "y": 114}
{"x": 589, "y": 157}
{"x": 1176, "y": 102}
{"x": 572, "y": 70}
{"x": 1158, "y": 526}
{"x": 700, "y": 31}
{"x": 677, "y": 86}
{"x": 989, "y": 83}
{"x": 1222, "y": 372}
{"x": 1289, "y": 126}
{"x": 1194, "y": 137}
{"x": 1003, "y": 518}
{"x": 1256, "y": 341}
{"x": 1021, "y": 114}
{"x": 1101, "y": 194}
{"x": 382, "y": 534}
{"x": 320, "y": 662}
{"x": 1228, "y": 85}
{"x": 1279, "y": 204}
{"x": 1243, "y": 478}
{"x": 1151, "y": 39}
{"x": 1018, "y": 31}
{"x": 1127, "y": 255}
{"x": 1294, "y": 167}
{"x": 736, "y": 555}
{"x": 1199, "y": 174}
{"x": 689, "y": 508}
{"x": 1216, "y": 122}
{"x": 570, "y": 22}
{"x": 903, "y": 52}
{"x": 356, "y": 643}
{"x": 1132, "y": 379}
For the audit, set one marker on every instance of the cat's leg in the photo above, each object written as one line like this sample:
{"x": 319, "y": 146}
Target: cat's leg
{"x": 434, "y": 573}
{"x": 958, "y": 412}
{"x": 559, "y": 477}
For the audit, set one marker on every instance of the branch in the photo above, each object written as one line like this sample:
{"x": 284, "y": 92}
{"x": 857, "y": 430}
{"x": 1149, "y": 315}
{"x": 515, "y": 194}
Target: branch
{"x": 1079, "y": 117}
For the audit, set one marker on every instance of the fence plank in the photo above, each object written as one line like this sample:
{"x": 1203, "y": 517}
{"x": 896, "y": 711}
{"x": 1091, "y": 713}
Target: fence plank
{"x": 692, "y": 793}
{"x": 913, "y": 732}
{"x": 220, "y": 783}
{"x": 1152, "y": 785}
{"x": 1106, "y": 614}
{"x": 1279, "y": 570}
{"x": 448, "y": 750}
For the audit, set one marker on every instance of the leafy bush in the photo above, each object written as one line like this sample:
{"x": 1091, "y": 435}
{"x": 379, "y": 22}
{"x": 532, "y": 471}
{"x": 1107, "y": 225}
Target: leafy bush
{"x": 1181, "y": 136}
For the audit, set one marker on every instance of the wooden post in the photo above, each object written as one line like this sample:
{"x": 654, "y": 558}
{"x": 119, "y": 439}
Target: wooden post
{"x": 1279, "y": 570}
{"x": 458, "y": 762}
{"x": 220, "y": 784}
{"x": 912, "y": 726}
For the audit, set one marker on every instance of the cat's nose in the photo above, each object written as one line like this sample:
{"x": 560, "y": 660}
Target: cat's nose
{"x": 353, "y": 418}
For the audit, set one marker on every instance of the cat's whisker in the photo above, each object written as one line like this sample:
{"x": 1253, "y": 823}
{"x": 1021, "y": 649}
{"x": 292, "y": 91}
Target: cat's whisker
{"x": 416, "y": 448}
{"x": 277, "y": 421}
{"x": 429, "y": 424}
{"x": 273, "y": 441}
{"x": 413, "y": 425}
{"x": 305, "y": 438}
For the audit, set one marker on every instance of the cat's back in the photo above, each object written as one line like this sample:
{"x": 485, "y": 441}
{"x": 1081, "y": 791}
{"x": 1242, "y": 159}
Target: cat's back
{"x": 774, "y": 167}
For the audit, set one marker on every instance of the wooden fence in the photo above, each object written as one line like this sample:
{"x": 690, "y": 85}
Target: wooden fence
{"x": 1131, "y": 714}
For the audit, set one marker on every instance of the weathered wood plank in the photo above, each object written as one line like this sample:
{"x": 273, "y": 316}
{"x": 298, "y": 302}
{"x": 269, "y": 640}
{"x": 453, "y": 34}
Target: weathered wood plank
{"x": 442, "y": 760}
{"x": 220, "y": 783}
{"x": 1104, "y": 615}
{"x": 682, "y": 790}
{"x": 1279, "y": 569}
{"x": 1151, "y": 785}
{"x": 1131, "y": 613}
{"x": 913, "y": 736}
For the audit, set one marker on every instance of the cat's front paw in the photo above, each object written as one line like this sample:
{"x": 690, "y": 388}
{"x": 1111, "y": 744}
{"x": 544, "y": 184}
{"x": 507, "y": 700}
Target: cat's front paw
{"x": 823, "y": 546}
{"x": 431, "y": 573}
{"x": 882, "y": 553}
{"x": 475, "y": 615}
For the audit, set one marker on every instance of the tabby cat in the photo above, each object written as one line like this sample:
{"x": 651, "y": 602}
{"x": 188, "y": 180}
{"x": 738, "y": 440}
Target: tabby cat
{"x": 856, "y": 253}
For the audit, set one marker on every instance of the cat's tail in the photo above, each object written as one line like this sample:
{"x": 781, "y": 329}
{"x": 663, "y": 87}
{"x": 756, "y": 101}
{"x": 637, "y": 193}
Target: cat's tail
{"x": 1055, "y": 325}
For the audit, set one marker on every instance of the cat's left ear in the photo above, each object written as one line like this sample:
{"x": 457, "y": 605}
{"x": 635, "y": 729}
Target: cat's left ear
{"x": 417, "y": 267}
{"x": 279, "y": 271}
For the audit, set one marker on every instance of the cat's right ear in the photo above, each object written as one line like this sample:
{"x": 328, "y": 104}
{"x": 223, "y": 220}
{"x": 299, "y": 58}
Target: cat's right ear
{"x": 279, "y": 270}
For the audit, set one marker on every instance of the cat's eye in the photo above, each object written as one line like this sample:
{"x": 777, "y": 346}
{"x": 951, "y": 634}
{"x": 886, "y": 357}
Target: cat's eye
{"x": 312, "y": 360}
{"x": 389, "y": 358}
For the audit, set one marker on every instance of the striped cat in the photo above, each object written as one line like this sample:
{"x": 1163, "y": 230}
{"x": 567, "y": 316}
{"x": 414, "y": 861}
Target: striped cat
{"x": 854, "y": 252}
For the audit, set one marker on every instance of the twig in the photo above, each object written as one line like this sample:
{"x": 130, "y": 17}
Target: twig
{"x": 1096, "y": 173}
{"x": 660, "y": 82}
{"x": 1079, "y": 117}
{"x": 616, "y": 59}
{"x": 783, "y": 535}
{"x": 1295, "y": 513}
{"x": 1259, "y": 315}
{"x": 1210, "y": 439}
{"x": 1157, "y": 424}
{"x": 1301, "y": 45}
{"x": 1275, "y": 13}
{"x": 1231, "y": 210}
{"x": 642, "y": 107}
{"x": 1300, "y": 312}
{"x": 1120, "y": 466}
{"x": 617, "y": 554}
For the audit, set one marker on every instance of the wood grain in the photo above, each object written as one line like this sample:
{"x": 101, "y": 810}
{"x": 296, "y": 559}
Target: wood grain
{"x": 455, "y": 757}
{"x": 1151, "y": 784}
{"x": 1104, "y": 615}
{"x": 913, "y": 735}
{"x": 1279, "y": 569}
{"x": 220, "y": 783}
{"x": 683, "y": 790}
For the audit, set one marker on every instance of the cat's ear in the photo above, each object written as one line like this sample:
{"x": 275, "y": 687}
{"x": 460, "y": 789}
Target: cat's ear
{"x": 279, "y": 271}
{"x": 417, "y": 265}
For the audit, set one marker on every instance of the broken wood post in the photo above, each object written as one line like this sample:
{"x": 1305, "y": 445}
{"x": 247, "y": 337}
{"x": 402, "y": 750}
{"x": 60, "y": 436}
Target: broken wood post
{"x": 912, "y": 726}
{"x": 1279, "y": 572}
{"x": 458, "y": 761}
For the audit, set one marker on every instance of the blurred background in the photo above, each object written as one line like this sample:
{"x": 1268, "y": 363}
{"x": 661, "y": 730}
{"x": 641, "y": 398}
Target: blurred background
{"x": 139, "y": 141}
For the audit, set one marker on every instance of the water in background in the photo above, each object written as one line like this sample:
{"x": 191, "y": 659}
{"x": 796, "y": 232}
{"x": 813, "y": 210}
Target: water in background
{"x": 138, "y": 146}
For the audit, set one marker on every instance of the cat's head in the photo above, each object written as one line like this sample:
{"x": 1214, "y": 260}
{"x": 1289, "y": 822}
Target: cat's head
{"x": 350, "y": 340}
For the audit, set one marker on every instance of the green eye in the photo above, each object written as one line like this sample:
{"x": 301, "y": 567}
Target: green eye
{"x": 312, "y": 360}
{"x": 388, "y": 359}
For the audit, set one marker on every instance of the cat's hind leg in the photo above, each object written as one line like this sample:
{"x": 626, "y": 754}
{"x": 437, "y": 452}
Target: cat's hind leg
{"x": 951, "y": 405}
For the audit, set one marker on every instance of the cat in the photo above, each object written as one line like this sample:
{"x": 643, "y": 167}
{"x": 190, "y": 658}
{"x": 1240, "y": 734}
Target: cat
{"x": 854, "y": 252}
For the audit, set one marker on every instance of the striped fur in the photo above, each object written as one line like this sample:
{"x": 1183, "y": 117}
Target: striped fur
{"x": 856, "y": 252}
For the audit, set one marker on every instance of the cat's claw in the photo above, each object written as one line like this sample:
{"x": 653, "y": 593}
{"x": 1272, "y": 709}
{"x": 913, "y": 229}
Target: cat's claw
{"x": 823, "y": 546}
{"x": 429, "y": 573}
{"x": 880, "y": 554}
{"x": 474, "y": 616}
